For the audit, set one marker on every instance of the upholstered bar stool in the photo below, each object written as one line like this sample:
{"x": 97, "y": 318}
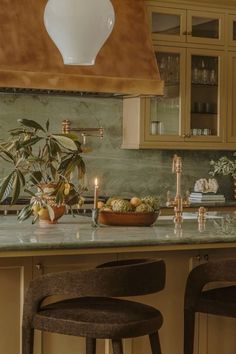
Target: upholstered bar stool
{"x": 219, "y": 301}
{"x": 90, "y": 310}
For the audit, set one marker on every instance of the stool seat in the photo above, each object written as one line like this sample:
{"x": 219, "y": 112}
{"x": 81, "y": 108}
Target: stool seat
{"x": 99, "y": 317}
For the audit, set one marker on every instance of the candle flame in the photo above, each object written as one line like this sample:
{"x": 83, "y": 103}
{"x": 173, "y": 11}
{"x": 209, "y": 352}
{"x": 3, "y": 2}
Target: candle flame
{"x": 96, "y": 182}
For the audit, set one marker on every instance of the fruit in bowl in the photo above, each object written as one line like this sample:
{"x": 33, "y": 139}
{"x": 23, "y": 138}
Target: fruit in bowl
{"x": 133, "y": 212}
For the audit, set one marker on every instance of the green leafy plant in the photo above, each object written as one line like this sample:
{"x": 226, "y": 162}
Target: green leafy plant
{"x": 224, "y": 166}
{"x": 39, "y": 158}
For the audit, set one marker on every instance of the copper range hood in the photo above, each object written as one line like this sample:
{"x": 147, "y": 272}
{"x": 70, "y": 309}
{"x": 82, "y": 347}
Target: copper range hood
{"x": 126, "y": 64}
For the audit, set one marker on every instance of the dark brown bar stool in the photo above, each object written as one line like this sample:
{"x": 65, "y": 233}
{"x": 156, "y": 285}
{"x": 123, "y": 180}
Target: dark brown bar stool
{"x": 90, "y": 310}
{"x": 218, "y": 301}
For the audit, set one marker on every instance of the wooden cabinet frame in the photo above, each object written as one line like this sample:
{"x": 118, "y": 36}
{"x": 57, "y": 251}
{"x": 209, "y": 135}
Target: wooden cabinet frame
{"x": 136, "y": 111}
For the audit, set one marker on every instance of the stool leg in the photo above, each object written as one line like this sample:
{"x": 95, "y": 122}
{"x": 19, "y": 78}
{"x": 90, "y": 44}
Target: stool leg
{"x": 117, "y": 346}
{"x": 155, "y": 343}
{"x": 189, "y": 325}
{"x": 27, "y": 341}
{"x": 90, "y": 345}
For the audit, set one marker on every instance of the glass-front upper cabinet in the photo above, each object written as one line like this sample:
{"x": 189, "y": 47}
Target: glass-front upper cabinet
{"x": 167, "y": 24}
{"x": 190, "y": 109}
{"x": 182, "y": 25}
{"x": 205, "y": 27}
{"x": 204, "y": 92}
{"x": 164, "y": 112}
{"x": 232, "y": 30}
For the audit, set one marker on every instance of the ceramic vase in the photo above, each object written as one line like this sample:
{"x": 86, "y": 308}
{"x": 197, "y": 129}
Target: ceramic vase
{"x": 45, "y": 190}
{"x": 79, "y": 28}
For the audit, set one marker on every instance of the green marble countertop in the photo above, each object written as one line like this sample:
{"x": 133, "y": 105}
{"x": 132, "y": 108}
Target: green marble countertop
{"x": 78, "y": 234}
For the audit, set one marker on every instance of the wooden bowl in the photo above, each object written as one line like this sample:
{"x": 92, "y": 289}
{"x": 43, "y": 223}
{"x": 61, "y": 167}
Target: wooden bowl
{"x": 127, "y": 218}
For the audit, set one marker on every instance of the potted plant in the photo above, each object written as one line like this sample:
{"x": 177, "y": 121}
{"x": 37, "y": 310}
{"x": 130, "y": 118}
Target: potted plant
{"x": 41, "y": 165}
{"x": 224, "y": 166}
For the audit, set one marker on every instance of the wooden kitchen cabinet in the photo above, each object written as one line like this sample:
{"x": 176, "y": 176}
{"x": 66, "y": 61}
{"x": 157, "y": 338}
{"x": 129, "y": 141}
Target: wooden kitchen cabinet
{"x": 232, "y": 30}
{"x": 231, "y": 122}
{"x": 191, "y": 114}
{"x": 173, "y": 23}
{"x": 15, "y": 275}
{"x": 197, "y": 109}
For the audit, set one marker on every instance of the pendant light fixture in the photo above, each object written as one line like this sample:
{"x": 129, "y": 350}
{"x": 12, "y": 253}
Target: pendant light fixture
{"x": 79, "y": 28}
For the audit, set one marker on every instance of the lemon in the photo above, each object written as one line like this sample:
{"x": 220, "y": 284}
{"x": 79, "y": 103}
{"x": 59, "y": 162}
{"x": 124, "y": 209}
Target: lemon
{"x": 100, "y": 204}
{"x": 135, "y": 201}
{"x": 43, "y": 212}
{"x": 67, "y": 189}
{"x": 36, "y": 208}
{"x": 107, "y": 208}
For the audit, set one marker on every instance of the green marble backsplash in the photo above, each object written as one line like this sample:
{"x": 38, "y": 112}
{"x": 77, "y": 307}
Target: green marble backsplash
{"x": 120, "y": 172}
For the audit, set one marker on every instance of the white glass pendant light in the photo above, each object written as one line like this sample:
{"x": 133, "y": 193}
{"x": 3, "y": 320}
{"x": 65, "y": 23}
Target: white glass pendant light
{"x": 79, "y": 28}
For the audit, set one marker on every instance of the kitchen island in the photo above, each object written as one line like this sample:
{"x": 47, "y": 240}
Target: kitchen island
{"x": 27, "y": 250}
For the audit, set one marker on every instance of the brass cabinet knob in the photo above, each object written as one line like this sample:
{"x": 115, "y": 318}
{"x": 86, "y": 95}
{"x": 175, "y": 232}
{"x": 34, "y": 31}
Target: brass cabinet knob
{"x": 186, "y": 135}
{"x": 38, "y": 266}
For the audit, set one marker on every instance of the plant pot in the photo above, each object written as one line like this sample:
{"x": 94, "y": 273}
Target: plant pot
{"x": 44, "y": 216}
{"x": 46, "y": 190}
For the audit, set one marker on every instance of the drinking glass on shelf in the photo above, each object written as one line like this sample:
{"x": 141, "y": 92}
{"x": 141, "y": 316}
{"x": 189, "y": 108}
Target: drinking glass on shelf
{"x": 162, "y": 66}
{"x": 204, "y": 73}
{"x": 213, "y": 79}
{"x": 195, "y": 75}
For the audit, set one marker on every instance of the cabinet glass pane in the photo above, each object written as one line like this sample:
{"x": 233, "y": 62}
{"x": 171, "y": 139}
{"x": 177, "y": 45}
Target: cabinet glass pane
{"x": 165, "y": 110}
{"x": 205, "y": 27}
{"x": 234, "y": 30}
{"x": 204, "y": 95}
{"x": 167, "y": 24}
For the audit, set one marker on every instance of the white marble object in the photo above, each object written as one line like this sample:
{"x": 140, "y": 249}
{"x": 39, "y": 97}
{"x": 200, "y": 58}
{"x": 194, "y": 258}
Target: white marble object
{"x": 206, "y": 186}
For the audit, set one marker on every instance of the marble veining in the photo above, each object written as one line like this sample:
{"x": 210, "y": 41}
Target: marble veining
{"x": 120, "y": 172}
{"x": 77, "y": 233}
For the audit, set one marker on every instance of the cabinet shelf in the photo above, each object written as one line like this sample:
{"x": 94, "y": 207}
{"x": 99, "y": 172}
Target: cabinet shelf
{"x": 172, "y": 84}
{"x": 204, "y": 113}
{"x": 204, "y": 85}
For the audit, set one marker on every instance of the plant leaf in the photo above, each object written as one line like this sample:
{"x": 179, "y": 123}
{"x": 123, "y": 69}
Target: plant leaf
{"x": 30, "y": 124}
{"x": 8, "y": 154}
{"x": 6, "y": 186}
{"x": 50, "y": 212}
{"x": 30, "y": 142}
{"x": 47, "y": 125}
{"x": 36, "y": 177}
{"x": 54, "y": 147}
{"x": 25, "y": 213}
{"x": 35, "y": 218}
{"x": 16, "y": 188}
{"x": 81, "y": 169}
{"x": 29, "y": 192}
{"x": 60, "y": 197}
{"x": 64, "y": 141}
{"x": 22, "y": 178}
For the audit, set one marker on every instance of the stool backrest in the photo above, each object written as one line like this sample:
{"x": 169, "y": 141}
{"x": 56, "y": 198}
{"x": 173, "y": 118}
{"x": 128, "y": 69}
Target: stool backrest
{"x": 114, "y": 279}
{"x": 133, "y": 277}
{"x": 223, "y": 270}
